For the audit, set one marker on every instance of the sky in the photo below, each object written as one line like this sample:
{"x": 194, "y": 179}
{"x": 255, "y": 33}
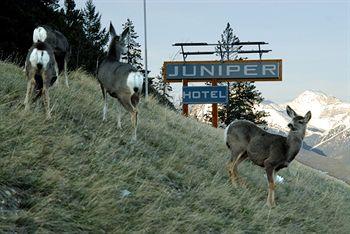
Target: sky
{"x": 311, "y": 37}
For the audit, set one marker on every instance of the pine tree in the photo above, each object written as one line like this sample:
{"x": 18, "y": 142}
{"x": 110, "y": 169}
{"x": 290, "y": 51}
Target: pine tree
{"x": 227, "y": 49}
{"x": 92, "y": 26}
{"x": 161, "y": 91}
{"x": 74, "y": 32}
{"x": 243, "y": 96}
{"x": 97, "y": 38}
{"x": 133, "y": 54}
{"x": 161, "y": 87}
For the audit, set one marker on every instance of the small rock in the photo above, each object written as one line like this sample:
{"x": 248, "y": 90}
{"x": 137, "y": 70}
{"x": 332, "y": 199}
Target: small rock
{"x": 125, "y": 193}
{"x": 279, "y": 179}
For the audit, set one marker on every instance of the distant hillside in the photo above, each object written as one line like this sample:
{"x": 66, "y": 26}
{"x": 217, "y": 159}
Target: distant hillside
{"x": 77, "y": 174}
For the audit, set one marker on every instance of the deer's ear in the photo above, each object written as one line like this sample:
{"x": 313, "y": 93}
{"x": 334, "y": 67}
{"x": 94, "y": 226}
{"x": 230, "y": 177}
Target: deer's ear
{"x": 124, "y": 33}
{"x": 291, "y": 113}
{"x": 111, "y": 30}
{"x": 307, "y": 117}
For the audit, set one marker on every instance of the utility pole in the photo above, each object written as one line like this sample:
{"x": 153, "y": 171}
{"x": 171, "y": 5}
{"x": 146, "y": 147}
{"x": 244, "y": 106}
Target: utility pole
{"x": 145, "y": 28}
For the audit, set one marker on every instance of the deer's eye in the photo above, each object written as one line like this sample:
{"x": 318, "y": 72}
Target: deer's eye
{"x": 300, "y": 121}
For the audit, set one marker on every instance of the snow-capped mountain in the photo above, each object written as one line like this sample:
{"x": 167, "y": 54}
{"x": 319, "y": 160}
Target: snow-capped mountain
{"x": 327, "y": 112}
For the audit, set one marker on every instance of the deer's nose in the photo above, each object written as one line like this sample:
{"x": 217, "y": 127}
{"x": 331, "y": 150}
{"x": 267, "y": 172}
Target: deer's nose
{"x": 291, "y": 126}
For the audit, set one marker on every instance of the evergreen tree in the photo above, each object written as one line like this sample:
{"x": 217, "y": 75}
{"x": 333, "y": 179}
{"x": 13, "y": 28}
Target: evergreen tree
{"x": 133, "y": 54}
{"x": 97, "y": 38}
{"x": 243, "y": 96}
{"x": 160, "y": 90}
{"x": 74, "y": 32}
{"x": 227, "y": 49}
{"x": 92, "y": 26}
{"x": 161, "y": 87}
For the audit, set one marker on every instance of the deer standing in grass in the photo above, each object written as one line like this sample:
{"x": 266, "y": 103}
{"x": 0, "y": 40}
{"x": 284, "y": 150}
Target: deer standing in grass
{"x": 59, "y": 44}
{"x": 41, "y": 71}
{"x": 273, "y": 152}
{"x": 120, "y": 80}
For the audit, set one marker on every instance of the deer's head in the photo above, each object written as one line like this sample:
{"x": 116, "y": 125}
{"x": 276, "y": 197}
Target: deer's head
{"x": 119, "y": 42}
{"x": 298, "y": 122}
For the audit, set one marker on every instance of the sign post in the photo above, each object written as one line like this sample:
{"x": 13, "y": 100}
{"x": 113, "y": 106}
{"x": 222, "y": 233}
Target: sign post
{"x": 184, "y": 105}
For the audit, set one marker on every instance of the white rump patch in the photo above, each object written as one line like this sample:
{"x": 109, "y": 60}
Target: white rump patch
{"x": 39, "y": 34}
{"x": 135, "y": 80}
{"x": 39, "y": 57}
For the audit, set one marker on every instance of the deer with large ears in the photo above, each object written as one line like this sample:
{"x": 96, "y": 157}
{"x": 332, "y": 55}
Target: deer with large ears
{"x": 120, "y": 80}
{"x": 41, "y": 71}
{"x": 273, "y": 152}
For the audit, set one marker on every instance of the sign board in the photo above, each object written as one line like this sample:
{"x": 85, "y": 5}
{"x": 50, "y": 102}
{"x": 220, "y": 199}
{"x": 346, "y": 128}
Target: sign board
{"x": 236, "y": 70}
{"x": 204, "y": 94}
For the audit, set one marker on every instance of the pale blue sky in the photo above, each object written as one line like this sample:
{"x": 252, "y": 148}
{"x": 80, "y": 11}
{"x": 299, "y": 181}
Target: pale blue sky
{"x": 311, "y": 37}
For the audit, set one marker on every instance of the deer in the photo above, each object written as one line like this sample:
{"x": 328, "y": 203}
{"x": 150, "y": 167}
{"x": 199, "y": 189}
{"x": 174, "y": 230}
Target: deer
{"x": 120, "y": 80}
{"x": 273, "y": 152}
{"x": 58, "y": 42}
{"x": 41, "y": 72}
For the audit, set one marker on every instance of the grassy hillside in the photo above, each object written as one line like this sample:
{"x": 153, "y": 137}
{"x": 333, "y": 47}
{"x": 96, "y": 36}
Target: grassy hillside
{"x": 72, "y": 173}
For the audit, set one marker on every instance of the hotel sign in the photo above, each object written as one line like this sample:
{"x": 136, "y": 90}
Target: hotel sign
{"x": 237, "y": 70}
{"x": 204, "y": 94}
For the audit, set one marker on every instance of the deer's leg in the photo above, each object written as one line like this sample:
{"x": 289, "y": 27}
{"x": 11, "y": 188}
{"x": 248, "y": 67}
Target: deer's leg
{"x": 119, "y": 115}
{"x": 30, "y": 86}
{"x": 65, "y": 71}
{"x": 46, "y": 96}
{"x": 127, "y": 104}
{"x": 134, "y": 122}
{"x": 233, "y": 164}
{"x": 270, "y": 177}
{"x": 240, "y": 159}
{"x": 104, "y": 116}
{"x": 57, "y": 74}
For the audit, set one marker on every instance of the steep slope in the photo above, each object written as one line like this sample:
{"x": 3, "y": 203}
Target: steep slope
{"x": 76, "y": 174}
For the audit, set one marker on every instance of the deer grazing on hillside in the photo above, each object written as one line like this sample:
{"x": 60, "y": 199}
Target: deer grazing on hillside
{"x": 58, "y": 42}
{"x": 273, "y": 152}
{"x": 41, "y": 71}
{"x": 120, "y": 80}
